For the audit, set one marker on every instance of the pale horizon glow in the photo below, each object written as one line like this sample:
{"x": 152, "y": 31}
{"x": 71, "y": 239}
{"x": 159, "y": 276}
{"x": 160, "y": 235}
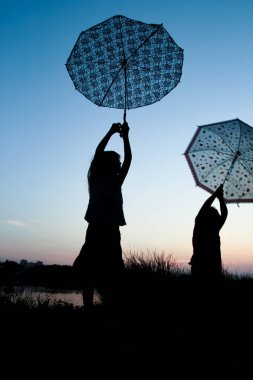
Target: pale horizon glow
{"x": 49, "y": 131}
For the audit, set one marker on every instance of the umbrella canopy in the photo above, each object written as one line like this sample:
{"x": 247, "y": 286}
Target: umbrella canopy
{"x": 222, "y": 153}
{"x": 123, "y": 63}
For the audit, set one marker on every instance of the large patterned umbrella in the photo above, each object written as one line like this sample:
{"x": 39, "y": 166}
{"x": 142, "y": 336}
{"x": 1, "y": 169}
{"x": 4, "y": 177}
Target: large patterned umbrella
{"x": 222, "y": 153}
{"x": 123, "y": 63}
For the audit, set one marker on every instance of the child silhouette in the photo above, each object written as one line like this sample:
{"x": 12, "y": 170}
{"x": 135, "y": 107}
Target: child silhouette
{"x": 100, "y": 264}
{"x": 206, "y": 259}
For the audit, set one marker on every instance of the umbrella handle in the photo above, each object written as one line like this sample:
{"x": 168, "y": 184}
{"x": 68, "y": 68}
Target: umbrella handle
{"x": 124, "y": 120}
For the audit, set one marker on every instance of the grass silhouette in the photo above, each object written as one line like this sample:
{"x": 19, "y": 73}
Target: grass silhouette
{"x": 165, "y": 324}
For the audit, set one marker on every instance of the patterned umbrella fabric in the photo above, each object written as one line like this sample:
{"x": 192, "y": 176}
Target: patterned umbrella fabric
{"x": 123, "y": 63}
{"x": 222, "y": 153}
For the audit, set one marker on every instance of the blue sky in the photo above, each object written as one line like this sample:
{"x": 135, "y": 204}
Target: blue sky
{"x": 49, "y": 131}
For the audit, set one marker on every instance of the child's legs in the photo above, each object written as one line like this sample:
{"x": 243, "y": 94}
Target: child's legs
{"x": 88, "y": 293}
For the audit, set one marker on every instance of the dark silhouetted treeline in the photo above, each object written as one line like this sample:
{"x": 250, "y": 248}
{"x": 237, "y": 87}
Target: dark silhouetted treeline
{"x": 36, "y": 274}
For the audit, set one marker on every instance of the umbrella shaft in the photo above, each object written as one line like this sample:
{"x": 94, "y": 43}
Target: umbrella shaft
{"x": 124, "y": 117}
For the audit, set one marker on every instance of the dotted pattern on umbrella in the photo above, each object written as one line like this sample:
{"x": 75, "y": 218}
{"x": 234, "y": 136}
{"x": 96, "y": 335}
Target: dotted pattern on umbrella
{"x": 152, "y": 59}
{"x": 223, "y": 153}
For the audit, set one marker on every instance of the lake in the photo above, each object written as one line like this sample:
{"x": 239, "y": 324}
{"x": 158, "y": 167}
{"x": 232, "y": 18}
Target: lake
{"x": 73, "y": 297}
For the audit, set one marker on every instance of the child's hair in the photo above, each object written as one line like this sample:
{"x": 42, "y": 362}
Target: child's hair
{"x": 104, "y": 163}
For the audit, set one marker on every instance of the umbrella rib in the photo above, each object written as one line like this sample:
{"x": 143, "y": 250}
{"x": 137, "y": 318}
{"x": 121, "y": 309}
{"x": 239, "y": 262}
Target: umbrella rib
{"x": 148, "y": 69}
{"x": 151, "y": 35}
{"x": 143, "y": 68}
{"x": 231, "y": 179}
{"x": 143, "y": 60}
{"x": 228, "y": 145}
{"x": 122, "y": 66}
{"x": 127, "y": 60}
{"x": 245, "y": 166}
{"x": 211, "y": 150}
{"x": 223, "y": 162}
{"x": 238, "y": 149}
{"x": 233, "y": 152}
{"x": 108, "y": 89}
{"x": 234, "y": 183}
{"x": 245, "y": 151}
{"x": 126, "y": 63}
{"x": 232, "y": 164}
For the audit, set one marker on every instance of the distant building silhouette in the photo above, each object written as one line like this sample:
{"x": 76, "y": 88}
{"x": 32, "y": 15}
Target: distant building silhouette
{"x": 30, "y": 264}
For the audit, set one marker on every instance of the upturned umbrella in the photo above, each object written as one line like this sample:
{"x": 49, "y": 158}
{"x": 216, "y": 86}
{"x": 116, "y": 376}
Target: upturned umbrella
{"x": 222, "y": 153}
{"x": 124, "y": 63}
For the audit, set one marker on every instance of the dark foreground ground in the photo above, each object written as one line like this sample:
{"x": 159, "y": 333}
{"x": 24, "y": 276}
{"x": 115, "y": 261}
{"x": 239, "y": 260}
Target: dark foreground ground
{"x": 170, "y": 331}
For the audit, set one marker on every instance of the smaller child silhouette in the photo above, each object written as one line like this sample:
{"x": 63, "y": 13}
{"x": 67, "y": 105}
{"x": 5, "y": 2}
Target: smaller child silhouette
{"x": 206, "y": 259}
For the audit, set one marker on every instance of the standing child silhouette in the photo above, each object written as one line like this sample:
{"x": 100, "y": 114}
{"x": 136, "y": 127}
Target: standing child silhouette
{"x": 206, "y": 260}
{"x": 100, "y": 263}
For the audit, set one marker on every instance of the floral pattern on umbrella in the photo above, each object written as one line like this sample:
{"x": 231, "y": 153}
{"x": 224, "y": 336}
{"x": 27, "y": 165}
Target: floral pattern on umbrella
{"x": 124, "y": 63}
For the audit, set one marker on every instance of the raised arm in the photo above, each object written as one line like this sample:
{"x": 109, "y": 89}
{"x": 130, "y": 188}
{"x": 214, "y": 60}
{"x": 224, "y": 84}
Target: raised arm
{"x": 127, "y": 153}
{"x": 208, "y": 203}
{"x": 115, "y": 128}
{"x": 223, "y": 206}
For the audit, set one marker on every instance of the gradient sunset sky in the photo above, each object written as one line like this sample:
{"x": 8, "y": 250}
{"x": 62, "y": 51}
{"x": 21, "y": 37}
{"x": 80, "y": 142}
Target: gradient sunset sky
{"x": 49, "y": 131}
